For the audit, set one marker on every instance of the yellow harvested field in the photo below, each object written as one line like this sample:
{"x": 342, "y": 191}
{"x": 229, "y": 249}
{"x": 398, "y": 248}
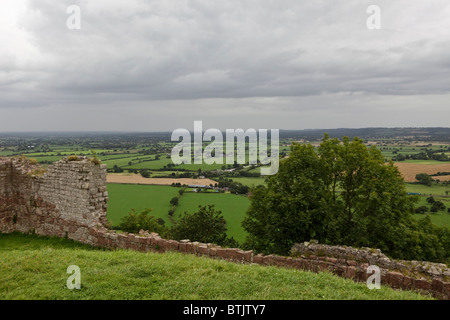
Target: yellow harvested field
{"x": 410, "y": 170}
{"x": 138, "y": 179}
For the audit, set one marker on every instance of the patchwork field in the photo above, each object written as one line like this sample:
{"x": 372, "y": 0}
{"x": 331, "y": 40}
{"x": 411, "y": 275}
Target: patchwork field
{"x": 251, "y": 182}
{"x": 441, "y": 218}
{"x": 410, "y": 170}
{"x": 435, "y": 190}
{"x": 138, "y": 179}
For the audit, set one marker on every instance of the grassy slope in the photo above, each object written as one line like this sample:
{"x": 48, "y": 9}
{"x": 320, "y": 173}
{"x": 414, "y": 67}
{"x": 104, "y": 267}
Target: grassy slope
{"x": 35, "y": 267}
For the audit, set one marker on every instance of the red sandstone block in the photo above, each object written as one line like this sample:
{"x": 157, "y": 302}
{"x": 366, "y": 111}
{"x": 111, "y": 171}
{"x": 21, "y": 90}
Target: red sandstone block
{"x": 422, "y": 284}
{"x": 314, "y": 266}
{"x": 203, "y": 250}
{"x": 351, "y": 263}
{"x": 279, "y": 261}
{"x": 332, "y": 260}
{"x": 323, "y": 266}
{"x": 213, "y": 252}
{"x": 190, "y": 248}
{"x": 312, "y": 257}
{"x": 437, "y": 285}
{"x": 182, "y": 247}
{"x": 154, "y": 241}
{"x": 321, "y": 258}
{"x": 268, "y": 260}
{"x": 259, "y": 259}
{"x": 222, "y": 253}
{"x": 446, "y": 289}
{"x": 195, "y": 244}
{"x": 232, "y": 254}
{"x": 361, "y": 275}
{"x": 305, "y": 264}
{"x": 340, "y": 270}
{"x": 248, "y": 256}
{"x": 408, "y": 283}
{"x": 239, "y": 255}
{"x": 297, "y": 263}
{"x": 173, "y": 244}
{"x": 351, "y": 272}
{"x": 364, "y": 266}
{"x": 164, "y": 245}
{"x": 289, "y": 262}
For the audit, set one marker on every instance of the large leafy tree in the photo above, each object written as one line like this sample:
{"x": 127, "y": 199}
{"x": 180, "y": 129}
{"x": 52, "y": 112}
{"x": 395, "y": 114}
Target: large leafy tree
{"x": 343, "y": 192}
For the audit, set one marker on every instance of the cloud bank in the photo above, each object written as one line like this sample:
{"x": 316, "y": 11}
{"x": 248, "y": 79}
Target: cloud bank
{"x": 159, "y": 65}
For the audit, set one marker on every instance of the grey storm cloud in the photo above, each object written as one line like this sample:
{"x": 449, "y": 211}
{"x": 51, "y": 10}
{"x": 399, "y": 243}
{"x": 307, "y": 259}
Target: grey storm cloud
{"x": 292, "y": 55}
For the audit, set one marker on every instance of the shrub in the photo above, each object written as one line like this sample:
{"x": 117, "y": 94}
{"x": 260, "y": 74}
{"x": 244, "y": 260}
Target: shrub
{"x": 207, "y": 225}
{"x": 145, "y": 173}
{"x": 95, "y": 159}
{"x": 424, "y": 179}
{"x": 73, "y": 158}
{"x": 422, "y": 209}
{"x": 174, "y": 201}
{"x": 438, "y": 205}
{"x": 135, "y": 221}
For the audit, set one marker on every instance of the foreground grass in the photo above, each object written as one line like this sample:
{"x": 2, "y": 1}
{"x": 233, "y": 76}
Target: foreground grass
{"x": 33, "y": 267}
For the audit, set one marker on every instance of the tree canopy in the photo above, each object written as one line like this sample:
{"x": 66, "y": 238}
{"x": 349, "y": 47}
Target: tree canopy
{"x": 342, "y": 193}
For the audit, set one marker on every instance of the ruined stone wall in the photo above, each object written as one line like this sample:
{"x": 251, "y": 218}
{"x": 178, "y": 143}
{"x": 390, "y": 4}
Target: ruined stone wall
{"x": 371, "y": 256}
{"x": 65, "y": 200}
{"x": 350, "y": 266}
{"x": 70, "y": 199}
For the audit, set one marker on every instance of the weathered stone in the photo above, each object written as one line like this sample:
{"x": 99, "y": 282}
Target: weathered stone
{"x": 422, "y": 284}
{"x": 437, "y": 285}
{"x": 351, "y": 272}
{"x": 351, "y": 263}
{"x": 259, "y": 259}
{"x": 394, "y": 279}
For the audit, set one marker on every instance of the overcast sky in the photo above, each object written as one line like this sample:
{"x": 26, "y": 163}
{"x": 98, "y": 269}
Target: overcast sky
{"x": 140, "y": 65}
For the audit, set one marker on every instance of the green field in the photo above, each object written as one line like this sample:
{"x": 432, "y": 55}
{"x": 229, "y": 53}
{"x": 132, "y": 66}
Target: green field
{"x": 124, "y": 197}
{"x": 438, "y": 190}
{"x": 251, "y": 182}
{"x": 425, "y": 162}
{"x": 35, "y": 268}
{"x": 233, "y": 208}
{"x": 440, "y": 218}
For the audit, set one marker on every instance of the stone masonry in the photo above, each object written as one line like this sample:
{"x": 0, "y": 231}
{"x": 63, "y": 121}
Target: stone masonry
{"x": 66, "y": 200}
{"x": 69, "y": 199}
